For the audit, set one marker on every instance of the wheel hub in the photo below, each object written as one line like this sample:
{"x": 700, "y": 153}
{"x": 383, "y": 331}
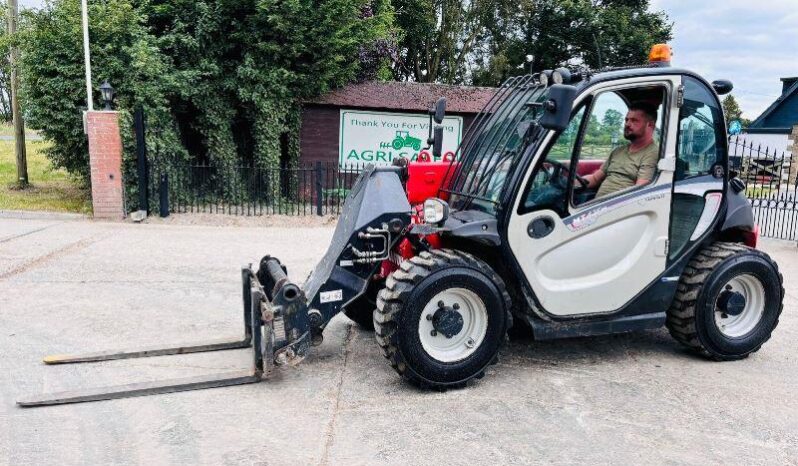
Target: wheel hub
{"x": 453, "y": 324}
{"x": 731, "y": 303}
{"x": 447, "y": 320}
{"x": 740, "y": 306}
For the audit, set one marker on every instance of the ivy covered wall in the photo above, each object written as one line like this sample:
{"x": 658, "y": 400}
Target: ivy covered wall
{"x": 220, "y": 80}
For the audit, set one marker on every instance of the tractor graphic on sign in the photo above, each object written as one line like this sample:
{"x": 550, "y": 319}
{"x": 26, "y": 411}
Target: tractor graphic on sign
{"x": 404, "y": 139}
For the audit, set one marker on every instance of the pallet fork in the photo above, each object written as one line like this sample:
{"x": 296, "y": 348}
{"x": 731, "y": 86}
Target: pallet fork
{"x": 271, "y": 305}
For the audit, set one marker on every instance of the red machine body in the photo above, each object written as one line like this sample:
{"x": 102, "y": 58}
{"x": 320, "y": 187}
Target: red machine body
{"x": 425, "y": 176}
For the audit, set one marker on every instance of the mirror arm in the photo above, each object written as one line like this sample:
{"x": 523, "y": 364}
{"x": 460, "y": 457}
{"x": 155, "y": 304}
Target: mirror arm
{"x": 429, "y": 135}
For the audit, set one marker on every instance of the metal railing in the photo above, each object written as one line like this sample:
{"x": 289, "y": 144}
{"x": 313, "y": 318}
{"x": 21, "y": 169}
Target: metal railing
{"x": 318, "y": 188}
{"x": 770, "y": 178}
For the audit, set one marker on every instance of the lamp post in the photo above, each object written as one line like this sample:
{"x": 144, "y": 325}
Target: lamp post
{"x": 107, "y": 94}
{"x": 84, "y": 16}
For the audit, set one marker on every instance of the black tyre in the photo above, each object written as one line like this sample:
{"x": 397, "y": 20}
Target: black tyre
{"x": 361, "y": 311}
{"x": 442, "y": 318}
{"x": 728, "y": 301}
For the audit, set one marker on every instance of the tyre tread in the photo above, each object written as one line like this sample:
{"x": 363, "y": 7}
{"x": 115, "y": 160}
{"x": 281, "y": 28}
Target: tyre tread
{"x": 681, "y": 317}
{"x": 399, "y": 285}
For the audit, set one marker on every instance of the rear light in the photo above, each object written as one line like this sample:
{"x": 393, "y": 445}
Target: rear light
{"x": 751, "y": 238}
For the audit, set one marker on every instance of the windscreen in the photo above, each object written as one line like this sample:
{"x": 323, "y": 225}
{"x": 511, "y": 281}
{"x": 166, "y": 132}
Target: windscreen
{"x": 494, "y": 144}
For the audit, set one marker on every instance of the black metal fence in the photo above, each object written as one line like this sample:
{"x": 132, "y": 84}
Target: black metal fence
{"x": 320, "y": 188}
{"x": 307, "y": 189}
{"x": 770, "y": 178}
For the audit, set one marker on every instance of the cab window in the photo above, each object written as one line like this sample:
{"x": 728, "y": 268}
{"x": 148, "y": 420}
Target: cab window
{"x": 616, "y": 119}
{"x": 700, "y": 147}
{"x": 700, "y": 155}
{"x": 595, "y": 135}
{"x": 550, "y": 181}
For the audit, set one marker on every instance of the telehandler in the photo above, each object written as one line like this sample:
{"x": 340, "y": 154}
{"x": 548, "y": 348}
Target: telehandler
{"x": 442, "y": 258}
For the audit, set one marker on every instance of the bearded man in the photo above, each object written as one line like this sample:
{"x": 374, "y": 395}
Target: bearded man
{"x": 632, "y": 164}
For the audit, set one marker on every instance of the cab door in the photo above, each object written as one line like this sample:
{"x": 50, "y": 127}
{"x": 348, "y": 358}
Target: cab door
{"x": 586, "y": 256}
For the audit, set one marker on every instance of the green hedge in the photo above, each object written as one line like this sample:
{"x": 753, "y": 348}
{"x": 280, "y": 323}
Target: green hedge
{"x": 221, "y": 80}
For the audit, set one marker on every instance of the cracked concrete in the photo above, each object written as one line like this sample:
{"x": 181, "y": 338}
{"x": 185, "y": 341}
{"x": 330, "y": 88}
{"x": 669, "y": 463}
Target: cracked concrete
{"x": 70, "y": 286}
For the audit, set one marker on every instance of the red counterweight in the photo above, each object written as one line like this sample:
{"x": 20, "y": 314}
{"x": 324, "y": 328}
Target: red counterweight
{"x": 425, "y": 176}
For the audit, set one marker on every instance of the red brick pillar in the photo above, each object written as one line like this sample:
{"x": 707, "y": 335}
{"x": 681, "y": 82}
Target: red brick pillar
{"x": 105, "y": 161}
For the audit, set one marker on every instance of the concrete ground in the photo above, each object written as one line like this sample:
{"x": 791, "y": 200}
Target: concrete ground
{"x": 70, "y": 286}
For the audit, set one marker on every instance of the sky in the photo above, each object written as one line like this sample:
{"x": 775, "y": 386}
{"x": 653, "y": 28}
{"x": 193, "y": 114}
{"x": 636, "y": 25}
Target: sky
{"x": 752, "y": 43}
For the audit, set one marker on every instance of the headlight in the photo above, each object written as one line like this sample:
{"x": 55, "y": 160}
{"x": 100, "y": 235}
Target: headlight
{"x": 561, "y": 76}
{"x": 544, "y": 78}
{"x": 436, "y": 211}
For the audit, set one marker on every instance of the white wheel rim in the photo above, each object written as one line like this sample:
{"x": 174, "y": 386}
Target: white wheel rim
{"x": 754, "y": 293}
{"x": 470, "y": 337}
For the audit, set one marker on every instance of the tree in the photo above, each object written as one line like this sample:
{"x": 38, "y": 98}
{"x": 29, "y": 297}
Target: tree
{"x": 220, "y": 80}
{"x": 438, "y": 36}
{"x": 731, "y": 109}
{"x": 612, "y": 119}
{"x": 5, "y": 66}
{"x": 545, "y": 34}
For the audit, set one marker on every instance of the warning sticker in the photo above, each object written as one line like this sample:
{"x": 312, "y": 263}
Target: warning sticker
{"x": 331, "y": 296}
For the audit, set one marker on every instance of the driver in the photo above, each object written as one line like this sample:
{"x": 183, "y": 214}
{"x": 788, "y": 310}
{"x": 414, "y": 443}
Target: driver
{"x": 632, "y": 164}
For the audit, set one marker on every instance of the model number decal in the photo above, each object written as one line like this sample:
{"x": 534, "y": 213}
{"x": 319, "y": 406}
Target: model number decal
{"x": 578, "y": 222}
{"x": 331, "y": 296}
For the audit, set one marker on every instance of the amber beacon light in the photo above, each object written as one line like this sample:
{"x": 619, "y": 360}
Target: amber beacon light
{"x": 660, "y": 55}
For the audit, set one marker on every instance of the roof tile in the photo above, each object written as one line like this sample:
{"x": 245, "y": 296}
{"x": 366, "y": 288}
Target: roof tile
{"x": 408, "y": 96}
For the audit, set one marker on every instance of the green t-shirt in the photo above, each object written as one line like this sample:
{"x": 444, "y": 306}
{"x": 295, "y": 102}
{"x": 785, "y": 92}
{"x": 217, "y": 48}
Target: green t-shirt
{"x": 624, "y": 168}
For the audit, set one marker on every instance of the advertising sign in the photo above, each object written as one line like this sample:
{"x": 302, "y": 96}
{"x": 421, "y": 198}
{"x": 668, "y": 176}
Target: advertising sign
{"x": 378, "y": 137}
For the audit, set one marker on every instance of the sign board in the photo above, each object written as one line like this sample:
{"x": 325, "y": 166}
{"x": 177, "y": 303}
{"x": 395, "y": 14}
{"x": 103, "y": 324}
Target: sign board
{"x": 379, "y": 137}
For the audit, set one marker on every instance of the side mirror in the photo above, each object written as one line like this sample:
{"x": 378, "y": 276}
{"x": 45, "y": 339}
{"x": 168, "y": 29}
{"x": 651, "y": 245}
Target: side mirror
{"x": 437, "y": 142}
{"x": 722, "y": 86}
{"x": 557, "y": 108}
{"x": 440, "y": 110}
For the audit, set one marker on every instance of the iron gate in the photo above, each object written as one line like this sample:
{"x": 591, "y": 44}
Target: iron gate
{"x": 770, "y": 179}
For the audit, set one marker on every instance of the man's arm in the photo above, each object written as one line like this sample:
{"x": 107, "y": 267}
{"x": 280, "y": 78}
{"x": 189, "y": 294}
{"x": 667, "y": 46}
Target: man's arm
{"x": 647, "y": 170}
{"x": 594, "y": 179}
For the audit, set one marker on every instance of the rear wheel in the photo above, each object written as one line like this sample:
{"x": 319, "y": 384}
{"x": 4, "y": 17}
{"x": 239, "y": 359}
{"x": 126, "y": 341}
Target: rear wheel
{"x": 728, "y": 301}
{"x": 361, "y": 310}
{"x": 442, "y": 318}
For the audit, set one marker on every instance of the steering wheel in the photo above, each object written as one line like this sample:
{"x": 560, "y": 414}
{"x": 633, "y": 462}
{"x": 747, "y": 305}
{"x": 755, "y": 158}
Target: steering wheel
{"x": 561, "y": 172}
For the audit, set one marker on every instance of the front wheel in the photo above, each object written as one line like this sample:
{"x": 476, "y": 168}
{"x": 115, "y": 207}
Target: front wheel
{"x": 728, "y": 301}
{"x": 442, "y": 318}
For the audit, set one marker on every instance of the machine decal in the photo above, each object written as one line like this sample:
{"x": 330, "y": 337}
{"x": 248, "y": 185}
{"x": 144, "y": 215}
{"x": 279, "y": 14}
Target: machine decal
{"x": 589, "y": 217}
{"x": 331, "y": 296}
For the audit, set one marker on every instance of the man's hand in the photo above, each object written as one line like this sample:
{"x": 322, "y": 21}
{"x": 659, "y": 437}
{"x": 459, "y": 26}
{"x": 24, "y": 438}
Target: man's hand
{"x": 594, "y": 179}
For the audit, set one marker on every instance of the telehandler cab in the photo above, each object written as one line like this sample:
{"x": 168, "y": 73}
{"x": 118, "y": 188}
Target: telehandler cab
{"x": 517, "y": 236}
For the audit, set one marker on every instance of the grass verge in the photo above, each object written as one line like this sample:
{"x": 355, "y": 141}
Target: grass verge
{"x": 50, "y": 189}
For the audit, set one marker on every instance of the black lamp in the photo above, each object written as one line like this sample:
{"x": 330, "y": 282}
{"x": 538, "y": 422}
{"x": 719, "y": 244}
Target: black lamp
{"x": 107, "y": 93}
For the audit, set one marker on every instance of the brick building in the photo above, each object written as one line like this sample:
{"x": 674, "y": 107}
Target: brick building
{"x": 398, "y": 109}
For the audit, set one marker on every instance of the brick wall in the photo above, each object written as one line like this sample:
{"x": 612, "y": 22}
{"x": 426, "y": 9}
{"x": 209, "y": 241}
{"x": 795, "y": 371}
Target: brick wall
{"x": 105, "y": 162}
{"x": 318, "y": 136}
